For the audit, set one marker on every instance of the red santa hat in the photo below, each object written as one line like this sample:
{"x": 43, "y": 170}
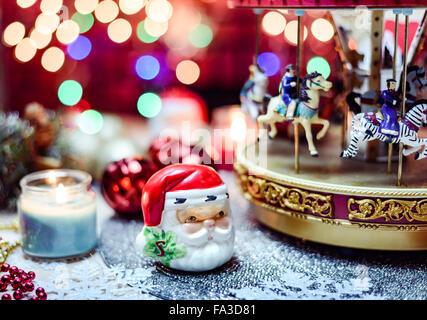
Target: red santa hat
{"x": 177, "y": 185}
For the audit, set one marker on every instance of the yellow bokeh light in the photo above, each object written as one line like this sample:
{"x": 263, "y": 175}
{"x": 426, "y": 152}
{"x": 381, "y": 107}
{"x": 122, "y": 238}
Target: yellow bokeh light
{"x": 119, "y": 30}
{"x": 53, "y": 59}
{"x": 322, "y": 30}
{"x": 159, "y": 10}
{"x": 187, "y": 72}
{"x": 25, "y": 3}
{"x": 47, "y": 22}
{"x": 106, "y": 11}
{"x": 274, "y": 23}
{"x": 291, "y": 32}
{"x": 154, "y": 28}
{"x": 52, "y": 6}
{"x": 85, "y": 6}
{"x": 41, "y": 40}
{"x": 131, "y": 6}
{"x": 13, "y": 33}
{"x": 25, "y": 50}
{"x": 67, "y": 32}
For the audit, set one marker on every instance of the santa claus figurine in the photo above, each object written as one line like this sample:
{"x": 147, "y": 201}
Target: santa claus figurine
{"x": 187, "y": 218}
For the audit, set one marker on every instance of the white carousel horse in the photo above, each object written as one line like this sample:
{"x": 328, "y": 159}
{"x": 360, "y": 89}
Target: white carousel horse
{"x": 306, "y": 112}
{"x": 369, "y": 124}
{"x": 253, "y": 100}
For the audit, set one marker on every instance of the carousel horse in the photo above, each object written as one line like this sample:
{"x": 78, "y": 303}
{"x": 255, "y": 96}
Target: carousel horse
{"x": 253, "y": 94}
{"x": 369, "y": 124}
{"x": 415, "y": 79}
{"x": 306, "y": 112}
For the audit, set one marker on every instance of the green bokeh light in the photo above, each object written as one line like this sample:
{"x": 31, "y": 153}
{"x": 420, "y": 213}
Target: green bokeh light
{"x": 70, "y": 92}
{"x": 200, "y": 36}
{"x": 143, "y": 35}
{"x": 85, "y": 21}
{"x": 90, "y": 121}
{"x": 320, "y": 65}
{"x": 149, "y": 105}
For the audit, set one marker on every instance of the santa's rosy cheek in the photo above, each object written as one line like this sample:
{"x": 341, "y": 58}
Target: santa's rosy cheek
{"x": 223, "y": 222}
{"x": 192, "y": 227}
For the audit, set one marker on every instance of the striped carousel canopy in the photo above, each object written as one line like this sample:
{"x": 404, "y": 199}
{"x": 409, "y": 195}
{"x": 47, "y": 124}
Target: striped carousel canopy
{"x": 327, "y": 4}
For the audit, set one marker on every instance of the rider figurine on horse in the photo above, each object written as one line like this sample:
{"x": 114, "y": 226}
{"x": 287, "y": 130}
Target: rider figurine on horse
{"x": 391, "y": 102}
{"x": 248, "y": 84}
{"x": 289, "y": 92}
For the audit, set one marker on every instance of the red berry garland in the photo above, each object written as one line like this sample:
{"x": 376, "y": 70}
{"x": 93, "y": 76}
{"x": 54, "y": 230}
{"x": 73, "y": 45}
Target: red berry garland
{"x": 21, "y": 282}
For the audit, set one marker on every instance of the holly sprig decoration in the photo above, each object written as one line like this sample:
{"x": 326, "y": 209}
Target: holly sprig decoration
{"x": 162, "y": 245}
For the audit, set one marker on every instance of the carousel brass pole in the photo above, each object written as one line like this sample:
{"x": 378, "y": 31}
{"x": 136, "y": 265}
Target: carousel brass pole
{"x": 407, "y": 13}
{"x": 299, "y": 14}
{"x": 396, "y": 31}
{"x": 258, "y": 13}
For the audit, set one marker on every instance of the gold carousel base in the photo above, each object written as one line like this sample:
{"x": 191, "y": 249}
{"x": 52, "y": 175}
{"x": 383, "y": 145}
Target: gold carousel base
{"x": 348, "y": 203}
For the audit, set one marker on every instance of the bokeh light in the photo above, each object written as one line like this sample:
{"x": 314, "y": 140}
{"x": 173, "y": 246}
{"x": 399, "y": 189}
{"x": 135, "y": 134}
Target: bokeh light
{"x": 80, "y": 48}
{"x": 25, "y": 50}
{"x": 47, "y": 22}
{"x": 52, "y": 6}
{"x": 159, "y": 10}
{"x": 106, "y": 11}
{"x": 143, "y": 35}
{"x": 67, "y": 32}
{"x": 200, "y": 36}
{"x": 274, "y": 23}
{"x": 85, "y": 6}
{"x": 53, "y": 59}
{"x": 119, "y": 30}
{"x": 41, "y": 40}
{"x": 25, "y": 3}
{"x": 149, "y": 104}
{"x": 154, "y": 28}
{"x": 131, "y": 6}
{"x": 322, "y": 30}
{"x": 147, "y": 67}
{"x": 70, "y": 92}
{"x": 187, "y": 72}
{"x": 291, "y": 32}
{"x": 90, "y": 121}
{"x": 14, "y": 33}
{"x": 85, "y": 21}
{"x": 269, "y": 62}
{"x": 320, "y": 65}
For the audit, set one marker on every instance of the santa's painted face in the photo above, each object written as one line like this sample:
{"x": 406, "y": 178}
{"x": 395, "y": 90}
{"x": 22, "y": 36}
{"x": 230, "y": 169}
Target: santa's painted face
{"x": 207, "y": 232}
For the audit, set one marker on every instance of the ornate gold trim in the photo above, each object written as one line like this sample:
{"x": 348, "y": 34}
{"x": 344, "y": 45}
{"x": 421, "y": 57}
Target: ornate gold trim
{"x": 389, "y": 210}
{"x": 297, "y": 182}
{"x": 291, "y": 198}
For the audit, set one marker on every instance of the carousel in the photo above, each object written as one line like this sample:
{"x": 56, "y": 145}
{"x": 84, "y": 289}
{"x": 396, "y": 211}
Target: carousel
{"x": 361, "y": 183}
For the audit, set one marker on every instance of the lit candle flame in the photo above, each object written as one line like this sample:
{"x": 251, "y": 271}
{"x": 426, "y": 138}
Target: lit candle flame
{"x": 51, "y": 179}
{"x": 61, "y": 195}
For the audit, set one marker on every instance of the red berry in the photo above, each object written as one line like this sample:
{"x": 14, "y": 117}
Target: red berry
{"x": 34, "y": 298}
{"x": 20, "y": 272}
{"x": 6, "y": 297}
{"x": 42, "y": 295}
{"x": 24, "y": 278}
{"x": 5, "y": 267}
{"x": 39, "y": 290}
{"x": 18, "y": 295}
{"x": 3, "y": 286}
{"x": 29, "y": 286}
{"x": 5, "y": 278}
{"x": 31, "y": 274}
{"x": 16, "y": 283}
{"x": 13, "y": 270}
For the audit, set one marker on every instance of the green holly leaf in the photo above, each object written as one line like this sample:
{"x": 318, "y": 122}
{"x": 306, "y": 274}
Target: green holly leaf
{"x": 162, "y": 245}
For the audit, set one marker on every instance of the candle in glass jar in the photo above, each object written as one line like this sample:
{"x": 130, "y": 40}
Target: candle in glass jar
{"x": 57, "y": 211}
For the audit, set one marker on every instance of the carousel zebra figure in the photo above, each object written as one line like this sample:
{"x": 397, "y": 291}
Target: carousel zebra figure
{"x": 366, "y": 127}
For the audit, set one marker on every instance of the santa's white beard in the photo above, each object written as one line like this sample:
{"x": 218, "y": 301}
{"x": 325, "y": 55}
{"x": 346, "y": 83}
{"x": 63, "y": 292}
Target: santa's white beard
{"x": 207, "y": 248}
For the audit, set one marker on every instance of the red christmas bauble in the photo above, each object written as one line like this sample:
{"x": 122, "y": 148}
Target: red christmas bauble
{"x": 122, "y": 184}
{"x": 168, "y": 151}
